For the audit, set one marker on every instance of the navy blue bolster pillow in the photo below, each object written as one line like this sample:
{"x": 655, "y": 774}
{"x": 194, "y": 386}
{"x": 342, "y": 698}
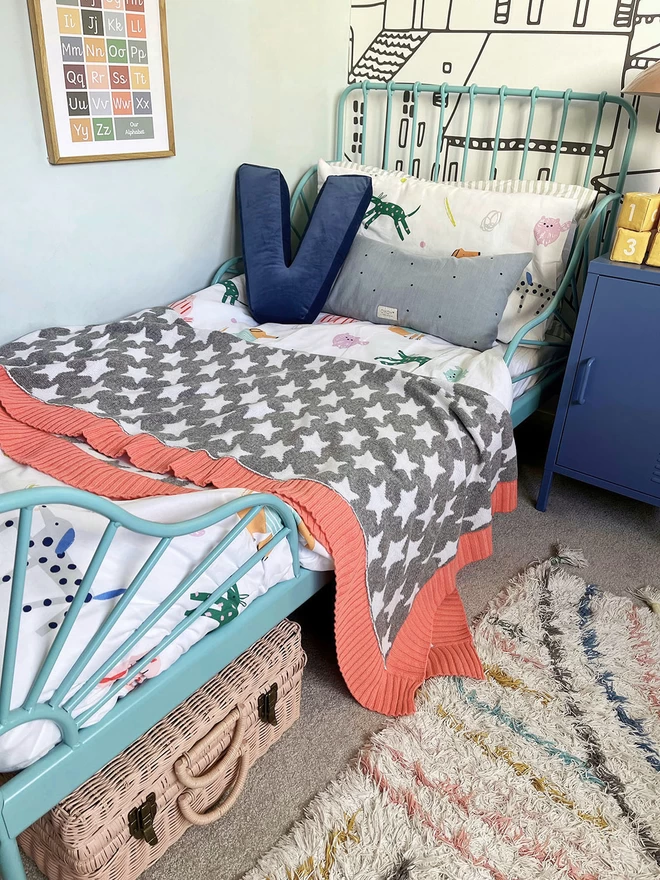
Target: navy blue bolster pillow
{"x": 278, "y": 289}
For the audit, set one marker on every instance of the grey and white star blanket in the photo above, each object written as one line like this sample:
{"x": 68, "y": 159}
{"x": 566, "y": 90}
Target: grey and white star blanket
{"x": 412, "y": 465}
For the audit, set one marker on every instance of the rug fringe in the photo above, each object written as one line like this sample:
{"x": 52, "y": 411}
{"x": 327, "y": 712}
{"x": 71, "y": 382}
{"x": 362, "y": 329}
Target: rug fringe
{"x": 650, "y": 596}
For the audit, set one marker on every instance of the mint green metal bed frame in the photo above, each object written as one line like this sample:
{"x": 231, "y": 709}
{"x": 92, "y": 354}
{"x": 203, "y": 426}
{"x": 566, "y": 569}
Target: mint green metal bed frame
{"x": 595, "y": 235}
{"x": 29, "y": 794}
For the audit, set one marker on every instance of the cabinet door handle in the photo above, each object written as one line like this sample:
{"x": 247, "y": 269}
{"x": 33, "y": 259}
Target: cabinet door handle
{"x": 584, "y": 371}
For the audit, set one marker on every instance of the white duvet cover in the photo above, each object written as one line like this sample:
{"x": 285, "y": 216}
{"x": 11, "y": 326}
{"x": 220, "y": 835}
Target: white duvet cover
{"x": 348, "y": 339}
{"x": 63, "y": 541}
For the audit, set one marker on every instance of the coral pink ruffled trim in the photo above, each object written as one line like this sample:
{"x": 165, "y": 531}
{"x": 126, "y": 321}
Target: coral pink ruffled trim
{"x": 435, "y": 638}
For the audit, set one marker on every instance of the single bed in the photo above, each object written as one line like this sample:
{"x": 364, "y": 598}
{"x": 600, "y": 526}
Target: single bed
{"x": 85, "y": 749}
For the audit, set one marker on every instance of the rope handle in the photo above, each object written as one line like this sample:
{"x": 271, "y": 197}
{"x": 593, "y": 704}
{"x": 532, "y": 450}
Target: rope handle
{"x": 182, "y": 766}
{"x": 222, "y": 807}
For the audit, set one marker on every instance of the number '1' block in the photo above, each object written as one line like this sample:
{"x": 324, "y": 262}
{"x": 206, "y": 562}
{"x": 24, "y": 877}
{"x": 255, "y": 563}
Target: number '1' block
{"x": 630, "y": 246}
{"x": 639, "y": 211}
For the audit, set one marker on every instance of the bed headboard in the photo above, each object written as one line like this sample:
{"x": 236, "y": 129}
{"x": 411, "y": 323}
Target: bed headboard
{"x": 458, "y": 133}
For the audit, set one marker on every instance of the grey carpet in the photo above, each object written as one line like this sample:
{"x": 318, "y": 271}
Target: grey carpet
{"x": 620, "y": 538}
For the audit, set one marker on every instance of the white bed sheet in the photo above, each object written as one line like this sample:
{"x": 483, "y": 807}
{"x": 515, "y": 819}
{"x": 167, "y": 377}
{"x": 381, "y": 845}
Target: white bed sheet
{"x": 346, "y": 338}
{"x": 64, "y": 539}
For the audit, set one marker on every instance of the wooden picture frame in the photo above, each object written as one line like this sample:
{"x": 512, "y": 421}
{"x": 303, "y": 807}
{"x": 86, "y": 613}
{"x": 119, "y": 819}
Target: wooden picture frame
{"x": 104, "y": 79}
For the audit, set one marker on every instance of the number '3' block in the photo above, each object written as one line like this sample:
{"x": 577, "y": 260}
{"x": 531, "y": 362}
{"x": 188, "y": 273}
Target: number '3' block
{"x": 630, "y": 246}
{"x": 639, "y": 212}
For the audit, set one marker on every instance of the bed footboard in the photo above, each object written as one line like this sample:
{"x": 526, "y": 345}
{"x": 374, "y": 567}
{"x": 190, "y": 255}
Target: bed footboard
{"x": 84, "y": 750}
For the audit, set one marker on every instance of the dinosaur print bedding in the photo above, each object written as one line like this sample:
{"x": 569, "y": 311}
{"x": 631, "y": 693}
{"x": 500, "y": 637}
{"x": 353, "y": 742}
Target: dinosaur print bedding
{"x": 397, "y": 475}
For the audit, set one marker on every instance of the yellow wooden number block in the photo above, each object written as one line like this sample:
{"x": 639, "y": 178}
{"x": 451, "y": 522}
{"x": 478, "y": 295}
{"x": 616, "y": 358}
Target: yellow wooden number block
{"x": 639, "y": 211}
{"x": 653, "y": 258}
{"x": 630, "y": 246}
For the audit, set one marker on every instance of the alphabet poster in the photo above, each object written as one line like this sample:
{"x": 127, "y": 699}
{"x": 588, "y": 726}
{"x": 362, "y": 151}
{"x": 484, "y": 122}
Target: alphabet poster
{"x": 103, "y": 74}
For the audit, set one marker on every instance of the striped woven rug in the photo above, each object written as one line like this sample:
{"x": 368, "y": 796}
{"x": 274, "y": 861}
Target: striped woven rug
{"x": 548, "y": 769}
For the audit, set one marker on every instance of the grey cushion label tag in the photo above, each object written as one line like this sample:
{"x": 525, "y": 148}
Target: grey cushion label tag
{"x": 389, "y": 313}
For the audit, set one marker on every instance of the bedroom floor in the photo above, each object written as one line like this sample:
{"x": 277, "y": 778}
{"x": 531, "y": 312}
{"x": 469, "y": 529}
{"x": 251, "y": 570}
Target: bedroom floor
{"x": 620, "y": 538}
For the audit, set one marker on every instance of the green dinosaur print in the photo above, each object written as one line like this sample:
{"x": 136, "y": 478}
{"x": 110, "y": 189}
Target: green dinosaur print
{"x": 231, "y": 293}
{"x": 381, "y": 208}
{"x": 455, "y": 374}
{"x": 403, "y": 359}
{"x": 225, "y": 609}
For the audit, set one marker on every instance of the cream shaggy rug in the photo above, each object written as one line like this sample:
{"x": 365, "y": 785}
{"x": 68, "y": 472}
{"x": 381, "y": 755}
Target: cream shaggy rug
{"x": 548, "y": 769}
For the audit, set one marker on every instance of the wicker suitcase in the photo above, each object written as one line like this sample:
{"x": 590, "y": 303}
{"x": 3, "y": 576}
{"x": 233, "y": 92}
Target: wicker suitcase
{"x": 187, "y": 770}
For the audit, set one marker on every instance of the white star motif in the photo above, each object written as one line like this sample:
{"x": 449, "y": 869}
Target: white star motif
{"x": 132, "y": 395}
{"x": 244, "y": 364}
{"x": 424, "y": 434}
{"x": 387, "y": 432}
{"x": 250, "y": 379}
{"x": 137, "y": 354}
{"x": 339, "y": 416}
{"x": 331, "y": 399}
{"x": 356, "y": 374}
{"x": 448, "y": 511}
{"x": 321, "y": 383}
{"x": 68, "y": 349}
{"x": 137, "y": 373}
{"x": 480, "y": 519}
{"x": 427, "y": 516}
{"x": 238, "y": 453}
{"x": 403, "y": 463}
{"x": 216, "y": 404}
{"x": 46, "y": 393}
{"x": 373, "y": 548}
{"x": 174, "y": 392}
{"x": 406, "y": 505}
{"x": 253, "y": 396}
{"x": 376, "y": 412}
{"x": 315, "y": 366}
{"x": 363, "y": 393}
{"x": 390, "y": 608}
{"x": 238, "y": 347}
{"x": 226, "y": 437}
{"x": 175, "y": 375}
{"x": 412, "y": 552}
{"x": 177, "y": 428}
{"x": 287, "y": 474}
{"x": 475, "y": 475}
{"x": 169, "y": 337}
{"x": 410, "y": 408}
{"x": 313, "y": 443}
{"x": 331, "y": 466}
{"x": 265, "y": 430}
{"x": 394, "y": 554}
{"x": 466, "y": 409}
{"x": 366, "y": 461}
{"x": 276, "y": 450}
{"x": 174, "y": 358}
{"x": 210, "y": 388}
{"x": 293, "y": 406}
{"x": 353, "y": 438}
{"x": 458, "y": 476}
{"x": 52, "y": 370}
{"x": 304, "y": 422}
{"x": 288, "y": 390}
{"x": 95, "y": 369}
{"x": 206, "y": 354}
{"x": 275, "y": 361}
{"x": 258, "y": 410}
{"x": 344, "y": 490}
{"x": 433, "y": 468}
{"x": 397, "y": 385}
{"x": 378, "y": 502}
{"x": 91, "y": 391}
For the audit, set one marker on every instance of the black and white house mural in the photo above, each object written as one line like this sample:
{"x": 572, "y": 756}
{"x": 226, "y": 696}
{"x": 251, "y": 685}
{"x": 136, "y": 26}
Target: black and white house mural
{"x": 586, "y": 45}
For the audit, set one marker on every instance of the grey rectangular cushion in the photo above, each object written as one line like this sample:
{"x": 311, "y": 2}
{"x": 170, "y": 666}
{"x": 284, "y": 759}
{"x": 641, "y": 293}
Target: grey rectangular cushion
{"x": 461, "y": 300}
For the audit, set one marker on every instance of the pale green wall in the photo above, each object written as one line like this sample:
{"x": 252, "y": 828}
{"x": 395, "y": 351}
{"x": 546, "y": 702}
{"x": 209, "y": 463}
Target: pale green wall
{"x": 252, "y": 81}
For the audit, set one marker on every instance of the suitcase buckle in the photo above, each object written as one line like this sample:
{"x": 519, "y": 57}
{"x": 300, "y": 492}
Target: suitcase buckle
{"x": 141, "y": 821}
{"x": 267, "y": 704}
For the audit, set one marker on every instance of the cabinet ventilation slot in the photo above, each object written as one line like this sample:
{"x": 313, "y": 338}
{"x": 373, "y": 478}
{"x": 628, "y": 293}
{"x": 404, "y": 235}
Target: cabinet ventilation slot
{"x": 655, "y": 476}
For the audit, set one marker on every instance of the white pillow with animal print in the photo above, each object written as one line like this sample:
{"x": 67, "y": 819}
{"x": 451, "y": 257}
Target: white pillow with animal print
{"x": 444, "y": 220}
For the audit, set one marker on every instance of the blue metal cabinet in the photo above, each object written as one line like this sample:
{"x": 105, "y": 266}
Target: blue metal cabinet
{"x": 607, "y": 429}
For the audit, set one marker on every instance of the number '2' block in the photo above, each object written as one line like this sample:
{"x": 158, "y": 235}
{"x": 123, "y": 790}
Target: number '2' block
{"x": 639, "y": 211}
{"x": 630, "y": 246}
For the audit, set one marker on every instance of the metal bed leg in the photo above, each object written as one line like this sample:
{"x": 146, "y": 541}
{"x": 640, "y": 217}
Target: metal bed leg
{"x": 11, "y": 864}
